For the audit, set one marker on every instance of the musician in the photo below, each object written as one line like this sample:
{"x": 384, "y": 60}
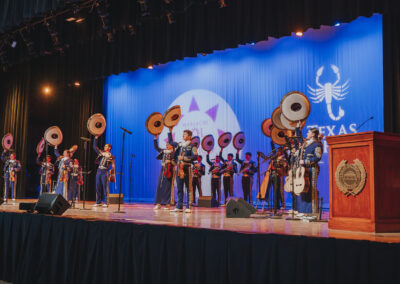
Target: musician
{"x": 247, "y": 168}
{"x": 185, "y": 154}
{"x": 307, "y": 203}
{"x": 64, "y": 170}
{"x": 165, "y": 184}
{"x": 11, "y": 168}
{"x": 105, "y": 160}
{"x": 75, "y": 182}
{"x": 199, "y": 170}
{"x": 229, "y": 168}
{"x": 46, "y": 172}
{"x": 276, "y": 170}
{"x": 216, "y": 171}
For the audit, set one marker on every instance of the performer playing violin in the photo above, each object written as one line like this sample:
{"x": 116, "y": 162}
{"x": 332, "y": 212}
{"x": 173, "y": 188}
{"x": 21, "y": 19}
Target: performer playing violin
{"x": 276, "y": 169}
{"x": 46, "y": 171}
{"x": 75, "y": 182}
{"x": 215, "y": 170}
{"x": 165, "y": 184}
{"x": 229, "y": 168}
{"x": 248, "y": 169}
{"x": 199, "y": 170}
{"x": 185, "y": 154}
{"x": 64, "y": 170}
{"x": 11, "y": 168}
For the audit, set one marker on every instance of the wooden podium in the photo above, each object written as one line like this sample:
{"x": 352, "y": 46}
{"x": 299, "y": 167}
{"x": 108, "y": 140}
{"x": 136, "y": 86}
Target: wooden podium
{"x": 375, "y": 206}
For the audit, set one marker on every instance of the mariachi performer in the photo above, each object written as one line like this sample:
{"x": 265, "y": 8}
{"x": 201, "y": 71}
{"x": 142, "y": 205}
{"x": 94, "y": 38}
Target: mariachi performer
{"x": 165, "y": 184}
{"x": 307, "y": 202}
{"x": 216, "y": 171}
{"x": 75, "y": 182}
{"x": 276, "y": 171}
{"x": 46, "y": 172}
{"x": 199, "y": 170}
{"x": 185, "y": 154}
{"x": 11, "y": 167}
{"x": 229, "y": 168}
{"x": 247, "y": 168}
{"x": 105, "y": 160}
{"x": 64, "y": 170}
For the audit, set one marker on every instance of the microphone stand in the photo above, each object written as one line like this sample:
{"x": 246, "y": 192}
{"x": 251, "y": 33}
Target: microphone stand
{"x": 130, "y": 170}
{"x": 122, "y": 168}
{"x": 85, "y": 172}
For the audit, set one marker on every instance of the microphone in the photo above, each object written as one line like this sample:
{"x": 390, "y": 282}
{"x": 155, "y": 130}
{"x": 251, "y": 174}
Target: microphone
{"x": 371, "y": 117}
{"x": 126, "y": 130}
{"x": 86, "y": 139}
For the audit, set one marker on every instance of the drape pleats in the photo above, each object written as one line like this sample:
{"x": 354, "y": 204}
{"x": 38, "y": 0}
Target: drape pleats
{"x": 46, "y": 249}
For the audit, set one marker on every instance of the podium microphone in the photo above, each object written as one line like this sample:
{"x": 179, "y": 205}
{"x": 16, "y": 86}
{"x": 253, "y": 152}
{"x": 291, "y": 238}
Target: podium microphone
{"x": 371, "y": 117}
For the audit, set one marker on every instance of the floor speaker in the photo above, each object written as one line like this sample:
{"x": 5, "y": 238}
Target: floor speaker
{"x": 54, "y": 204}
{"x": 206, "y": 201}
{"x": 113, "y": 198}
{"x": 238, "y": 208}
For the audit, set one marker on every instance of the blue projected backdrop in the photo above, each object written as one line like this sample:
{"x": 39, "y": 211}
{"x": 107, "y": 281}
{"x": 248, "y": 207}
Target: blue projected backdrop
{"x": 340, "y": 69}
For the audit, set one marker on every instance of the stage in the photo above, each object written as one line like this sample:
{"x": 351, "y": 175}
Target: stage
{"x": 214, "y": 219}
{"x": 147, "y": 246}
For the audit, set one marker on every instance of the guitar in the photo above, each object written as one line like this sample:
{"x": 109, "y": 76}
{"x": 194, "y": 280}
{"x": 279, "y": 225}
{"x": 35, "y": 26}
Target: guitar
{"x": 301, "y": 182}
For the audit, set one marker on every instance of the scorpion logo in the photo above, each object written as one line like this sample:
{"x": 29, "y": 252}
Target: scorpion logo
{"x": 328, "y": 91}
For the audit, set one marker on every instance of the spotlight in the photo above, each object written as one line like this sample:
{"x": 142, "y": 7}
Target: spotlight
{"x": 77, "y": 84}
{"x": 150, "y": 67}
{"x": 253, "y": 43}
{"x": 299, "y": 34}
{"x": 46, "y": 90}
{"x": 337, "y": 24}
{"x": 13, "y": 44}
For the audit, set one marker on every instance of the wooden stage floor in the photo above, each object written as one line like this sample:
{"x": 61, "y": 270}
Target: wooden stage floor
{"x": 214, "y": 219}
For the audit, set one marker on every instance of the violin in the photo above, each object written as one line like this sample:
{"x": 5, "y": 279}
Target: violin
{"x": 112, "y": 175}
{"x": 167, "y": 170}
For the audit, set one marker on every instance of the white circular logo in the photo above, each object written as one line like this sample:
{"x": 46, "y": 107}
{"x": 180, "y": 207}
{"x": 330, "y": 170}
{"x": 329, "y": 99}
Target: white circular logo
{"x": 204, "y": 112}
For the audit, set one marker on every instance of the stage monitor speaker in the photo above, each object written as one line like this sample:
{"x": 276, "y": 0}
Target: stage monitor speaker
{"x": 207, "y": 201}
{"x": 54, "y": 204}
{"x": 113, "y": 198}
{"x": 28, "y": 206}
{"x": 238, "y": 208}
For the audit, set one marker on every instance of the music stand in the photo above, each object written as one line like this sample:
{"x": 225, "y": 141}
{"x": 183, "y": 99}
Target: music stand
{"x": 122, "y": 168}
{"x": 85, "y": 172}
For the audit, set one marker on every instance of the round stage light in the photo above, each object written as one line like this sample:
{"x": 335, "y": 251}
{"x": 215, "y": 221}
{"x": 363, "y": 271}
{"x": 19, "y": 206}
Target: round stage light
{"x": 77, "y": 84}
{"x": 150, "y": 67}
{"x": 299, "y": 34}
{"x": 46, "y": 90}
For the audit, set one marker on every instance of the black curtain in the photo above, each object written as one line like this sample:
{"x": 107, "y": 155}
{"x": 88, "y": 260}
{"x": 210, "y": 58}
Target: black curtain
{"x": 14, "y": 110}
{"x": 46, "y": 249}
{"x": 28, "y": 113}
